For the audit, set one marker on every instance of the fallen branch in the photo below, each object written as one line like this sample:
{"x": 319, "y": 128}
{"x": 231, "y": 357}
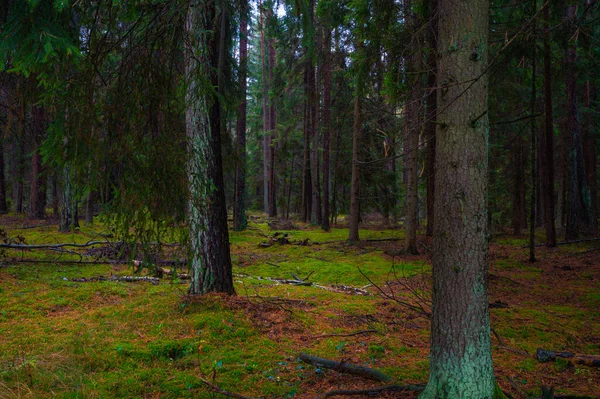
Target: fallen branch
{"x": 373, "y": 391}
{"x": 342, "y": 367}
{"x": 345, "y": 335}
{"x": 52, "y": 246}
{"x": 168, "y": 272}
{"x": 219, "y": 390}
{"x": 584, "y": 360}
{"x": 125, "y": 279}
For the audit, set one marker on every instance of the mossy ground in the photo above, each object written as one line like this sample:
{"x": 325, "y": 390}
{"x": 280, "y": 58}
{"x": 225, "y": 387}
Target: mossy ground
{"x": 105, "y": 339}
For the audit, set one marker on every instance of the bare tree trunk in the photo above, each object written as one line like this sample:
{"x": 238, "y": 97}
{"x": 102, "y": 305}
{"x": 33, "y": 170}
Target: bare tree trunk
{"x": 519, "y": 214}
{"x": 326, "y": 126}
{"x": 355, "y": 179}
{"x": 240, "y": 221}
{"x": 272, "y": 134}
{"x": 37, "y": 198}
{"x": 461, "y": 362}
{"x": 307, "y": 184}
{"x": 411, "y": 135}
{"x": 590, "y": 155}
{"x": 548, "y": 181}
{"x": 209, "y": 239}
{"x": 430, "y": 123}
{"x": 266, "y": 119}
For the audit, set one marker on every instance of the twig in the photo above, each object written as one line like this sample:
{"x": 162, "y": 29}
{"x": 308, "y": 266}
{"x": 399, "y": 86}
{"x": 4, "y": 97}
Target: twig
{"x": 345, "y": 335}
{"x": 221, "y": 391}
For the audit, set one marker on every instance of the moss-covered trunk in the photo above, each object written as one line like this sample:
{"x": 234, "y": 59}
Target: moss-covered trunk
{"x": 209, "y": 240}
{"x": 461, "y": 362}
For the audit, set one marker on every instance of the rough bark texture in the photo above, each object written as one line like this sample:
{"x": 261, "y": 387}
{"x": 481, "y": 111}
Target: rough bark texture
{"x": 590, "y": 155}
{"x": 266, "y": 119}
{"x": 209, "y": 240}
{"x": 430, "y": 123}
{"x": 326, "y": 128}
{"x": 272, "y": 134}
{"x": 37, "y": 198}
{"x": 240, "y": 220}
{"x": 548, "y": 178}
{"x": 66, "y": 201}
{"x": 306, "y": 179}
{"x": 411, "y": 136}
{"x": 461, "y": 363}
{"x": 355, "y": 179}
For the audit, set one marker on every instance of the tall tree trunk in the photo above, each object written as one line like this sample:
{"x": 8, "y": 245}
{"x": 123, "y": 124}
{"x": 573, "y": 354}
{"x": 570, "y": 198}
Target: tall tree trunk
{"x": 266, "y": 119}
{"x": 89, "y": 208}
{"x": 326, "y": 127}
{"x": 578, "y": 217}
{"x": 430, "y": 123}
{"x": 460, "y": 360}
{"x": 411, "y": 135}
{"x": 37, "y": 198}
{"x": 548, "y": 181}
{"x": 355, "y": 179}
{"x": 533, "y": 135}
{"x": 519, "y": 213}
{"x": 272, "y": 134}
{"x": 240, "y": 221}
{"x": 66, "y": 201}
{"x": 306, "y": 179}
{"x": 590, "y": 155}
{"x": 209, "y": 239}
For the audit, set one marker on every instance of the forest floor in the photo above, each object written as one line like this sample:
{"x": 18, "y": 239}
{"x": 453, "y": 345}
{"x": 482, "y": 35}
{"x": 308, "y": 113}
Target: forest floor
{"x": 69, "y": 331}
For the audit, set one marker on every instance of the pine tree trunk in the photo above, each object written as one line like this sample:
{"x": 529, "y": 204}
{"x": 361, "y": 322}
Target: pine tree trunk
{"x": 430, "y": 123}
{"x": 460, "y": 360}
{"x": 306, "y": 179}
{"x": 548, "y": 180}
{"x": 37, "y": 198}
{"x": 266, "y": 120}
{"x": 326, "y": 127}
{"x": 590, "y": 155}
{"x": 89, "y": 208}
{"x": 209, "y": 240}
{"x": 240, "y": 221}
{"x": 411, "y": 136}
{"x": 272, "y": 134}
{"x": 66, "y": 201}
{"x": 355, "y": 179}
{"x": 519, "y": 215}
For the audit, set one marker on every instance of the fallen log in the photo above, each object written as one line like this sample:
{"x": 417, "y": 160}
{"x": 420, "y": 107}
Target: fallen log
{"x": 52, "y": 246}
{"x": 584, "y": 360}
{"x": 169, "y": 272}
{"x": 343, "y": 367}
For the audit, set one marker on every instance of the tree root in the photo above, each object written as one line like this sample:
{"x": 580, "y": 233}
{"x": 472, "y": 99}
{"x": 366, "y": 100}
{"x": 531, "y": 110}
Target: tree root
{"x": 343, "y": 367}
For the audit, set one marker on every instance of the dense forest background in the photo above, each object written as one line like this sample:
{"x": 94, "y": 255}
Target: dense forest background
{"x": 93, "y": 101}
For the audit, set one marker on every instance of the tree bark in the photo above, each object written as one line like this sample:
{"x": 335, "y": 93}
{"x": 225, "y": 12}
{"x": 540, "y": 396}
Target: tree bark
{"x": 519, "y": 213}
{"x": 306, "y": 179}
{"x": 590, "y": 156}
{"x": 240, "y": 221}
{"x": 548, "y": 180}
{"x": 430, "y": 123}
{"x": 411, "y": 134}
{"x": 272, "y": 133}
{"x": 326, "y": 126}
{"x": 461, "y": 362}
{"x": 353, "y": 235}
{"x": 37, "y": 198}
{"x": 209, "y": 240}
{"x": 265, "y": 101}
